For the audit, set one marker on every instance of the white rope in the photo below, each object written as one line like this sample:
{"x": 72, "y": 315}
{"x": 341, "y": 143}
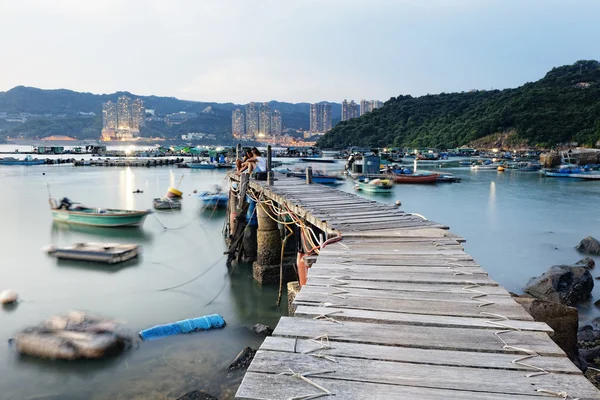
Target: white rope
{"x": 326, "y": 317}
{"x": 477, "y": 295}
{"x": 304, "y": 376}
{"x": 562, "y": 395}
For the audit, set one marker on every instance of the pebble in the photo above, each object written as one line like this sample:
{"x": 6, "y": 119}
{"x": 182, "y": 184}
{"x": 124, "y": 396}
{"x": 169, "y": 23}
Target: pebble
{"x": 8, "y": 297}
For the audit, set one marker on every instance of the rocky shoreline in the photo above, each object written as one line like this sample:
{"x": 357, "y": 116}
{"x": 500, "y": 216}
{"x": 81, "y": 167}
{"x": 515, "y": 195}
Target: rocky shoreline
{"x": 551, "y": 298}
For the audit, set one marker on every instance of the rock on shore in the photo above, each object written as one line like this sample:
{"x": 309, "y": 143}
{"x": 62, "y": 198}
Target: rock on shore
{"x": 563, "y": 284}
{"x": 564, "y": 320}
{"x": 589, "y": 245}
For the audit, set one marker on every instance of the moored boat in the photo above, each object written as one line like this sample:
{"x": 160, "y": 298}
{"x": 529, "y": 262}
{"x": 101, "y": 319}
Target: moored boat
{"x": 74, "y": 213}
{"x": 374, "y": 185}
{"x": 201, "y": 165}
{"x": 415, "y": 178}
{"x": 216, "y": 198}
{"x": 166, "y": 203}
{"x": 28, "y": 160}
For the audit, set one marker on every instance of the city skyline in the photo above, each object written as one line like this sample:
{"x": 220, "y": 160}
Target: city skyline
{"x": 421, "y": 47}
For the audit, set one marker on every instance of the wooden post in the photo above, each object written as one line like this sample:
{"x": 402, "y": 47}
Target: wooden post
{"x": 238, "y": 151}
{"x": 269, "y": 162}
{"x": 309, "y": 175}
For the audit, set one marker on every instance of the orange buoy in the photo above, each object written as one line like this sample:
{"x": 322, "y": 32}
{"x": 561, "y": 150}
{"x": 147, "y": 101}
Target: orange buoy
{"x": 302, "y": 269}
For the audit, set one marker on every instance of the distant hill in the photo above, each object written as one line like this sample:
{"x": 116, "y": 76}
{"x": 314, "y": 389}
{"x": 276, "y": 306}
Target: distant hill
{"x": 562, "y": 107}
{"x": 68, "y": 104}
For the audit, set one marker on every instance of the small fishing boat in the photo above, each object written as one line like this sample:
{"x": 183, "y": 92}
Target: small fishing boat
{"x": 375, "y": 185}
{"x": 501, "y": 168}
{"x": 109, "y": 253}
{"x": 415, "y": 178}
{"x": 28, "y": 160}
{"x": 318, "y": 177}
{"x": 484, "y": 167}
{"x": 216, "y": 198}
{"x": 201, "y": 165}
{"x": 528, "y": 167}
{"x": 166, "y": 203}
{"x": 447, "y": 177}
{"x": 319, "y": 160}
{"x": 74, "y": 213}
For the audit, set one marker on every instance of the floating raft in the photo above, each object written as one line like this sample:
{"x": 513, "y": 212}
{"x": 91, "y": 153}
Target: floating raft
{"x": 109, "y": 253}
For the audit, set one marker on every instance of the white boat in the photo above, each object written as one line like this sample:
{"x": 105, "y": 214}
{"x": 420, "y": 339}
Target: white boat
{"x": 375, "y": 186}
{"x": 166, "y": 203}
{"x": 483, "y": 167}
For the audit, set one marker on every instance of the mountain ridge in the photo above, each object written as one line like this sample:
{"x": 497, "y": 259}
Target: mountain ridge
{"x": 561, "y": 107}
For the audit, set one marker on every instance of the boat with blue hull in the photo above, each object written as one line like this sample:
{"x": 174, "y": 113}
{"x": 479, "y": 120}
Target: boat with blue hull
{"x": 216, "y": 199}
{"x": 28, "y": 160}
{"x": 318, "y": 177}
{"x": 201, "y": 165}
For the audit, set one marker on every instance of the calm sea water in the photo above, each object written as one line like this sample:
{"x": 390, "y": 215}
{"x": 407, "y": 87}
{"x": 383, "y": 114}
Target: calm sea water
{"x": 516, "y": 224}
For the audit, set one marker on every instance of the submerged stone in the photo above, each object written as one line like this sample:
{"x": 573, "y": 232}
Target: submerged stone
{"x": 197, "y": 395}
{"x": 589, "y": 245}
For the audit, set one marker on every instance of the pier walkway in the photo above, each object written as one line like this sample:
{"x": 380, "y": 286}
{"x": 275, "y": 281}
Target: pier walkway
{"x": 398, "y": 310}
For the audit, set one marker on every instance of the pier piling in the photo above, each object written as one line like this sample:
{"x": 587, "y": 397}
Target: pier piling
{"x": 268, "y": 238}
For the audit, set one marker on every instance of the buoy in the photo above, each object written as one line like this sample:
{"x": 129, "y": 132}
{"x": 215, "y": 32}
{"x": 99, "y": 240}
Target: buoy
{"x": 398, "y": 203}
{"x": 8, "y": 297}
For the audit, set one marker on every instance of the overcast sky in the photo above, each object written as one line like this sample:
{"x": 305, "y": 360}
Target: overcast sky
{"x": 290, "y": 50}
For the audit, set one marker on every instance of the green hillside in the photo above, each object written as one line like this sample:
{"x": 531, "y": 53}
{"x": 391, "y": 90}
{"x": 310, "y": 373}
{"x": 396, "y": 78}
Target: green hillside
{"x": 562, "y": 107}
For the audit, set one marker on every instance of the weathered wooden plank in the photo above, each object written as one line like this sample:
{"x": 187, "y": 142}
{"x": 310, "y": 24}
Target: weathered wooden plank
{"x": 403, "y": 286}
{"x": 400, "y": 259}
{"x": 465, "y": 308}
{"x": 430, "y": 269}
{"x": 422, "y": 356}
{"x": 396, "y": 232}
{"x": 407, "y": 318}
{"x": 259, "y": 386}
{"x": 399, "y": 276}
{"x": 481, "y": 340}
{"x": 463, "y": 295}
{"x": 391, "y": 261}
{"x": 428, "y": 376}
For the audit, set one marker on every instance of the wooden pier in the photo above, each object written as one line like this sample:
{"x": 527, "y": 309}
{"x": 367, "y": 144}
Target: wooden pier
{"x": 398, "y": 310}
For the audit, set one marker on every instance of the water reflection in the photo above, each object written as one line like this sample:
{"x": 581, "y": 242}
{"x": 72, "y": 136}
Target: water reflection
{"x": 71, "y": 232}
{"x": 95, "y": 266}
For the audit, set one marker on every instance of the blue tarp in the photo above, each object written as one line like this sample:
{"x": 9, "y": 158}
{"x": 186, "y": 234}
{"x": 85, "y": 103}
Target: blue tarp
{"x": 185, "y": 326}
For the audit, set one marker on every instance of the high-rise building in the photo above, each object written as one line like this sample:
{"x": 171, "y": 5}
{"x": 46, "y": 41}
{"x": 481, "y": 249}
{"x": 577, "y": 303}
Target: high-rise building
{"x": 138, "y": 114}
{"x": 368, "y": 106}
{"x": 365, "y": 107}
{"x": 320, "y": 117}
{"x": 251, "y": 120}
{"x": 123, "y": 120}
{"x": 264, "y": 121}
{"x": 349, "y": 110}
{"x": 326, "y": 116}
{"x": 376, "y": 104}
{"x": 276, "y": 123}
{"x": 123, "y": 113}
{"x": 109, "y": 120}
{"x": 315, "y": 113}
{"x": 238, "y": 125}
